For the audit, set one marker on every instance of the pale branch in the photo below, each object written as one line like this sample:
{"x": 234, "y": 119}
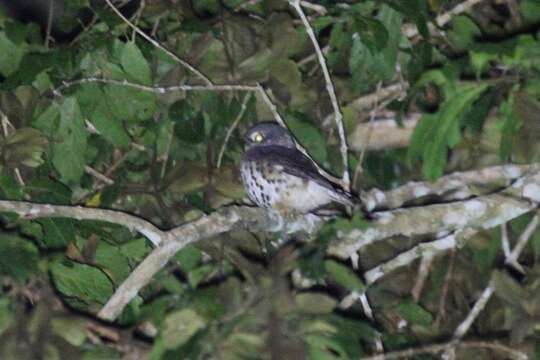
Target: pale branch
{"x": 422, "y": 275}
{"x": 154, "y": 89}
{"x": 479, "y": 305}
{"x": 486, "y": 211}
{"x": 385, "y": 134}
{"x": 437, "y": 348}
{"x": 522, "y": 242}
{"x": 338, "y": 117}
{"x": 219, "y": 222}
{"x": 158, "y": 45}
{"x": 319, "y": 9}
{"x": 455, "y": 186}
{"x": 505, "y": 242}
{"x": 482, "y": 212}
{"x": 427, "y": 250}
{"x": 366, "y": 307}
{"x": 28, "y": 210}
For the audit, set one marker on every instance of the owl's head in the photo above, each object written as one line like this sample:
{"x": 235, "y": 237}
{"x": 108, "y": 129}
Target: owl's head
{"x": 269, "y": 133}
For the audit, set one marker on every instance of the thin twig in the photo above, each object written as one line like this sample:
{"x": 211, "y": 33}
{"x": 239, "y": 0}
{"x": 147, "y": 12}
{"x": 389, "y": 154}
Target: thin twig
{"x": 154, "y": 89}
{"x": 338, "y": 117}
{"x": 148, "y": 38}
{"x": 165, "y": 157}
{"x": 321, "y": 10}
{"x": 524, "y": 238}
{"x": 422, "y": 275}
{"x": 231, "y": 129}
{"x": 479, "y": 305}
{"x": 446, "y": 285}
{"x": 366, "y": 307}
{"x": 49, "y": 24}
{"x": 505, "y": 242}
{"x": 98, "y": 175}
{"x": 137, "y": 16}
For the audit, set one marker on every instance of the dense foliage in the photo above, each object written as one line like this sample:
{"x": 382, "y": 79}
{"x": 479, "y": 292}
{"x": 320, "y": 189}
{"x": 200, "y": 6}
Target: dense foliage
{"x": 69, "y": 139}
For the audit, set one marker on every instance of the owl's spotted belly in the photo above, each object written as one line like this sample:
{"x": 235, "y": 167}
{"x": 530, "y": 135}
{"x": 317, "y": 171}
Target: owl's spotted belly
{"x": 267, "y": 185}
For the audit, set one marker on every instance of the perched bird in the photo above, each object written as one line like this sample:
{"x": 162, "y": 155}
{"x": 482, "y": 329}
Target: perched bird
{"x": 279, "y": 176}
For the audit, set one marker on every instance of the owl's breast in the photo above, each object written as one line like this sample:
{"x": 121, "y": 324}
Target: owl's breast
{"x": 269, "y": 186}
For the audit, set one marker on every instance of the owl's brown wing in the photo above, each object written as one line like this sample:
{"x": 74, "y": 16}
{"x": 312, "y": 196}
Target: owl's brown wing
{"x": 297, "y": 164}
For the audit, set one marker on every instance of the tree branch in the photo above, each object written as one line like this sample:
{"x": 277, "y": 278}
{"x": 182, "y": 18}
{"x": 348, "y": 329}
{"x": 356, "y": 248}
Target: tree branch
{"x": 481, "y": 212}
{"x": 30, "y": 211}
{"x": 338, "y": 117}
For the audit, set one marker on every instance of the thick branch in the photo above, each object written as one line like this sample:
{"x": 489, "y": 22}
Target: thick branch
{"x": 30, "y": 211}
{"x": 481, "y": 212}
{"x": 456, "y": 186}
{"x": 478, "y": 213}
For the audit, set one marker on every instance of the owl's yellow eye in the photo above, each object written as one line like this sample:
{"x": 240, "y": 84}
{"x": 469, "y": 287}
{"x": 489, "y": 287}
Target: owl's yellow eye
{"x": 258, "y": 138}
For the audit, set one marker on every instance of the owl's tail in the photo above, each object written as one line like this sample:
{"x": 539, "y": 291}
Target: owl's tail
{"x": 343, "y": 197}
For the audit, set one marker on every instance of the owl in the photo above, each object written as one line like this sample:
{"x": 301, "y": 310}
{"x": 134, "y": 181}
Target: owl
{"x": 278, "y": 176}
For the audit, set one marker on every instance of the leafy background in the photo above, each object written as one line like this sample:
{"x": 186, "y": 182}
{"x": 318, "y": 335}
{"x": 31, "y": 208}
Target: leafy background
{"x": 476, "y": 82}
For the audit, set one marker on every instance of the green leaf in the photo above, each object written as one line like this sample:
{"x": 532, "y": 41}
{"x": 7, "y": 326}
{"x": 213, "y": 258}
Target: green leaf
{"x": 508, "y": 289}
{"x": 189, "y": 258}
{"x": 309, "y": 136}
{"x": 436, "y": 132}
{"x": 180, "y": 326}
{"x": 47, "y": 190}
{"x": 84, "y": 287}
{"x": 464, "y": 32}
{"x": 57, "y": 232}
{"x": 11, "y": 55}
{"x": 129, "y": 104}
{"x": 111, "y": 129}
{"x": 134, "y": 63}
{"x": 72, "y": 330}
{"x": 48, "y": 120}
{"x": 315, "y": 303}
{"x": 369, "y": 64}
{"x": 95, "y": 107}
{"x": 69, "y": 146}
{"x": 10, "y": 189}
{"x": 18, "y": 257}
{"x": 344, "y": 276}
{"x": 325, "y": 348}
{"x": 111, "y": 259}
{"x": 414, "y": 313}
{"x": 510, "y": 124}
{"x": 7, "y": 314}
{"x": 197, "y": 275}
{"x": 530, "y": 10}
{"x": 189, "y": 123}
